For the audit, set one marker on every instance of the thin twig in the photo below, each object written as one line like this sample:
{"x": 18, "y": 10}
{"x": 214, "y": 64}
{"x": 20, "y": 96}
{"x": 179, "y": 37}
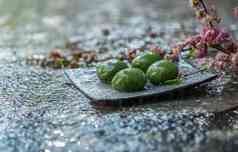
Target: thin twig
{"x": 206, "y": 10}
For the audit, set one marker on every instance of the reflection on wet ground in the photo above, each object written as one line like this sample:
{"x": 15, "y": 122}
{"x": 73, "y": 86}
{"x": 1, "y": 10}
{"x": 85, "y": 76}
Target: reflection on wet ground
{"x": 41, "y": 111}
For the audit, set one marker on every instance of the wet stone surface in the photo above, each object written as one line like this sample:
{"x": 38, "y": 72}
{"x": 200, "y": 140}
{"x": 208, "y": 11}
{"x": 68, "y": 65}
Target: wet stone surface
{"x": 41, "y": 111}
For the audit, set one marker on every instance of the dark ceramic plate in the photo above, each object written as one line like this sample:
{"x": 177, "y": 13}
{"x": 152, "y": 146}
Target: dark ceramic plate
{"x": 88, "y": 83}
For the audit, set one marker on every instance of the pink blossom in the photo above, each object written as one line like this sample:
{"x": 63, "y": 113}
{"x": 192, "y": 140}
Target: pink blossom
{"x": 220, "y": 65}
{"x": 209, "y": 35}
{"x": 235, "y": 12}
{"x": 215, "y": 35}
{"x": 230, "y": 47}
{"x": 223, "y": 36}
{"x": 234, "y": 61}
{"x": 221, "y": 61}
{"x": 201, "y": 50}
{"x": 193, "y": 40}
{"x": 222, "y": 57}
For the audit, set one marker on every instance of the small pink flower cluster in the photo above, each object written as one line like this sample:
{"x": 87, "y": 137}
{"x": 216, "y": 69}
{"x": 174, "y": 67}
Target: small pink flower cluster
{"x": 211, "y": 36}
{"x": 235, "y": 12}
{"x": 221, "y": 61}
{"x": 224, "y": 61}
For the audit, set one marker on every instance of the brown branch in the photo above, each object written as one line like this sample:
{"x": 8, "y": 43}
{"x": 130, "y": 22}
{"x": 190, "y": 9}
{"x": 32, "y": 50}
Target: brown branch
{"x": 206, "y": 10}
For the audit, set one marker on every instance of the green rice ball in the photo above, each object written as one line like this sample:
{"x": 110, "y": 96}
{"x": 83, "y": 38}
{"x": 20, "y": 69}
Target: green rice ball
{"x": 162, "y": 71}
{"x": 129, "y": 80}
{"x": 144, "y": 60}
{"x": 107, "y": 71}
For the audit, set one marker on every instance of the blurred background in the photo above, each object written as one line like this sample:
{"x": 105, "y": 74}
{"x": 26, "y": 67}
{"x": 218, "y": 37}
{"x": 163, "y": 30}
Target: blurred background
{"x": 46, "y": 24}
{"x": 27, "y": 10}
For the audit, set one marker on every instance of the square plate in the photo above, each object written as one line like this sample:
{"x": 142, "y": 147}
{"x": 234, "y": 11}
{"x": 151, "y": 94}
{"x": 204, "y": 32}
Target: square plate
{"x": 86, "y": 81}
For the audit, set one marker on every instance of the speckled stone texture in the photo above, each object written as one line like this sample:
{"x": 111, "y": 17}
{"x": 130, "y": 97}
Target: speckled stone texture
{"x": 41, "y": 111}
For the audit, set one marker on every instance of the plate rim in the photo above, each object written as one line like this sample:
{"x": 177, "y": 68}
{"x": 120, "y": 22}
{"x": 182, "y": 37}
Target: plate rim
{"x": 66, "y": 73}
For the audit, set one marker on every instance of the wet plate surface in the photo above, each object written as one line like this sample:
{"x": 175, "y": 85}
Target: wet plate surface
{"x": 87, "y": 82}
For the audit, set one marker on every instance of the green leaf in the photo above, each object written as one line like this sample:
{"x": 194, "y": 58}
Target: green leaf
{"x": 191, "y": 54}
{"x": 176, "y": 81}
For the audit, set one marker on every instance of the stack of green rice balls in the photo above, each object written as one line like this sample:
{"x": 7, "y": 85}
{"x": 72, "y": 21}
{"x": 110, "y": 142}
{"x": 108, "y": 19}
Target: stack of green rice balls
{"x": 129, "y": 78}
